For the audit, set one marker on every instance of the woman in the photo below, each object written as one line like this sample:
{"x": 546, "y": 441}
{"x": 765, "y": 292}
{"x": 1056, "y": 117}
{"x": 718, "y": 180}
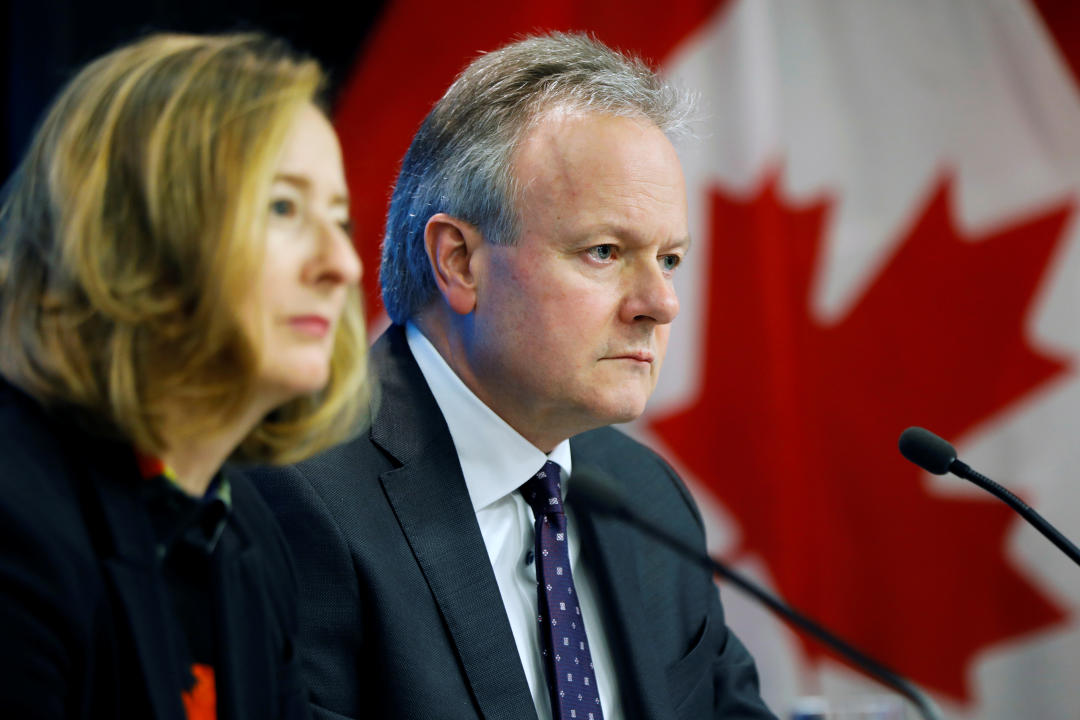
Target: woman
{"x": 177, "y": 287}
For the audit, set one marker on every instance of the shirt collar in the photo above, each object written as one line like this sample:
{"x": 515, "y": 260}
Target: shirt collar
{"x": 178, "y": 516}
{"x": 495, "y": 459}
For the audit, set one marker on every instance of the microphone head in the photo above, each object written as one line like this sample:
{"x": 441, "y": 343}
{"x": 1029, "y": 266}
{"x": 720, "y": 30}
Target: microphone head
{"x": 927, "y": 450}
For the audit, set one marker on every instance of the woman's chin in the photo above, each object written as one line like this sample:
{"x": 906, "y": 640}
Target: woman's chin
{"x": 284, "y": 385}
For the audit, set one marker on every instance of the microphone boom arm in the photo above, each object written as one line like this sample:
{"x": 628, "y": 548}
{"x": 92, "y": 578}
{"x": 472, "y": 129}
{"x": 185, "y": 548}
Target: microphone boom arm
{"x": 1051, "y": 533}
{"x": 935, "y": 455}
{"x": 596, "y": 500}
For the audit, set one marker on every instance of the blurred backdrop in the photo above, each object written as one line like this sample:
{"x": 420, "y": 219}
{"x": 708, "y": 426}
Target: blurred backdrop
{"x": 883, "y": 201}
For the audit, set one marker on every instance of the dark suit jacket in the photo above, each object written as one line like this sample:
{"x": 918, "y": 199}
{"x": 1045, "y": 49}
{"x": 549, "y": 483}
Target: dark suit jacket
{"x": 86, "y": 623}
{"x": 400, "y": 613}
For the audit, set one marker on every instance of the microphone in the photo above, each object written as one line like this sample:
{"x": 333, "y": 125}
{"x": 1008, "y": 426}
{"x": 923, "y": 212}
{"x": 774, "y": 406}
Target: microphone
{"x": 593, "y": 490}
{"x": 936, "y": 456}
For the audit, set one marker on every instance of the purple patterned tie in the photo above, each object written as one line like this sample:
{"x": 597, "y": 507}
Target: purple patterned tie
{"x": 571, "y": 681}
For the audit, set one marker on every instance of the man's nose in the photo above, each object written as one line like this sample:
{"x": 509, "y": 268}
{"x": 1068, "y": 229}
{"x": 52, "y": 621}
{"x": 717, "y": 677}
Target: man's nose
{"x": 651, "y": 296}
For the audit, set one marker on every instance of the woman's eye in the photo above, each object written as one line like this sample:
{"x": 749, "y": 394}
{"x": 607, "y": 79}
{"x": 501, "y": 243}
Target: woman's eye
{"x": 283, "y": 207}
{"x": 602, "y": 252}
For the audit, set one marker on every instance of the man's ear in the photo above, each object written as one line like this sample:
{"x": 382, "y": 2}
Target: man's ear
{"x": 452, "y": 245}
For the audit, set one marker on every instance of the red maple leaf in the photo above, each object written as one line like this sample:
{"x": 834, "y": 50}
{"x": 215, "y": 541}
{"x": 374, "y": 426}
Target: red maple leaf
{"x": 795, "y": 425}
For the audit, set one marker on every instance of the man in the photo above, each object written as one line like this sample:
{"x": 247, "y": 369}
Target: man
{"x": 532, "y": 239}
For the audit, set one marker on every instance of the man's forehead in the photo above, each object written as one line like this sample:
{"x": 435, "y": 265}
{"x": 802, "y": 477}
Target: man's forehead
{"x": 616, "y": 170}
{"x": 565, "y": 129}
{"x": 563, "y": 148}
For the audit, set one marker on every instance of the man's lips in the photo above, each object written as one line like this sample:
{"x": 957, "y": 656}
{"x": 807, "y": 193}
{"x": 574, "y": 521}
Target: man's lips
{"x": 641, "y": 356}
{"x": 315, "y": 326}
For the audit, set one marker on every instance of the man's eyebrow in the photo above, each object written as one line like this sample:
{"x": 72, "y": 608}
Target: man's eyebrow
{"x": 304, "y": 183}
{"x": 684, "y": 242}
{"x": 626, "y": 232}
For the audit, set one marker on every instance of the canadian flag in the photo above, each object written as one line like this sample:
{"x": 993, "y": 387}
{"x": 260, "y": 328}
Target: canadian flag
{"x": 883, "y": 201}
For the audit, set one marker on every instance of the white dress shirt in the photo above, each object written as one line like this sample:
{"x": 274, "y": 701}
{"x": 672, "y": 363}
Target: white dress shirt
{"x": 496, "y": 461}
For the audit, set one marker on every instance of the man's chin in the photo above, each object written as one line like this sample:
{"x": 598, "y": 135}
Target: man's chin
{"x": 617, "y": 414}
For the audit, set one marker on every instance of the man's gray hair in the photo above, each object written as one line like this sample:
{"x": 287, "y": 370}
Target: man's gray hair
{"x": 459, "y": 162}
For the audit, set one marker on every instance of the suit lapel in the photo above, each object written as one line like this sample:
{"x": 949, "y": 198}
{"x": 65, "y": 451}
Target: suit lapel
{"x": 239, "y": 634}
{"x": 137, "y": 582}
{"x": 431, "y": 501}
{"x": 611, "y": 548}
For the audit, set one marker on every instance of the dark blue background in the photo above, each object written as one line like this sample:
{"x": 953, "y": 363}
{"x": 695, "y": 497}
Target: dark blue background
{"x": 48, "y": 40}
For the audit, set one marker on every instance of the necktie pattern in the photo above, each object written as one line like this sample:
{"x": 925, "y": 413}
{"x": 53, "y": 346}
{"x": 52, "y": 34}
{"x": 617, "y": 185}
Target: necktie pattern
{"x": 571, "y": 681}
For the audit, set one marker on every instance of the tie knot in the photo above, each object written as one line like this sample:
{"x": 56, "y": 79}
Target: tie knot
{"x": 543, "y": 491}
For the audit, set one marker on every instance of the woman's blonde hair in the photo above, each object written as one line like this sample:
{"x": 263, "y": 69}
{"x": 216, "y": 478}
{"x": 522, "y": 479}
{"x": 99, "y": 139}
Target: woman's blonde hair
{"x": 128, "y": 238}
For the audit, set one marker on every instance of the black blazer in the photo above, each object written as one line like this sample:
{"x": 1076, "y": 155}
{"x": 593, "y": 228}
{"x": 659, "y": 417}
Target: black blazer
{"x": 400, "y": 613}
{"x": 85, "y": 621}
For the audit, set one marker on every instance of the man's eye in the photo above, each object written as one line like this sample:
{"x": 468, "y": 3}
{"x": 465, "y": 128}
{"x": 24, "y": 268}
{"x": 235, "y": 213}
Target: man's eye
{"x": 283, "y": 207}
{"x": 670, "y": 262}
{"x": 602, "y": 252}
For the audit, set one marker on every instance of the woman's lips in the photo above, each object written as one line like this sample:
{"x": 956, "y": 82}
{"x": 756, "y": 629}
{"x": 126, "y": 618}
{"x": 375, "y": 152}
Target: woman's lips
{"x": 315, "y": 326}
